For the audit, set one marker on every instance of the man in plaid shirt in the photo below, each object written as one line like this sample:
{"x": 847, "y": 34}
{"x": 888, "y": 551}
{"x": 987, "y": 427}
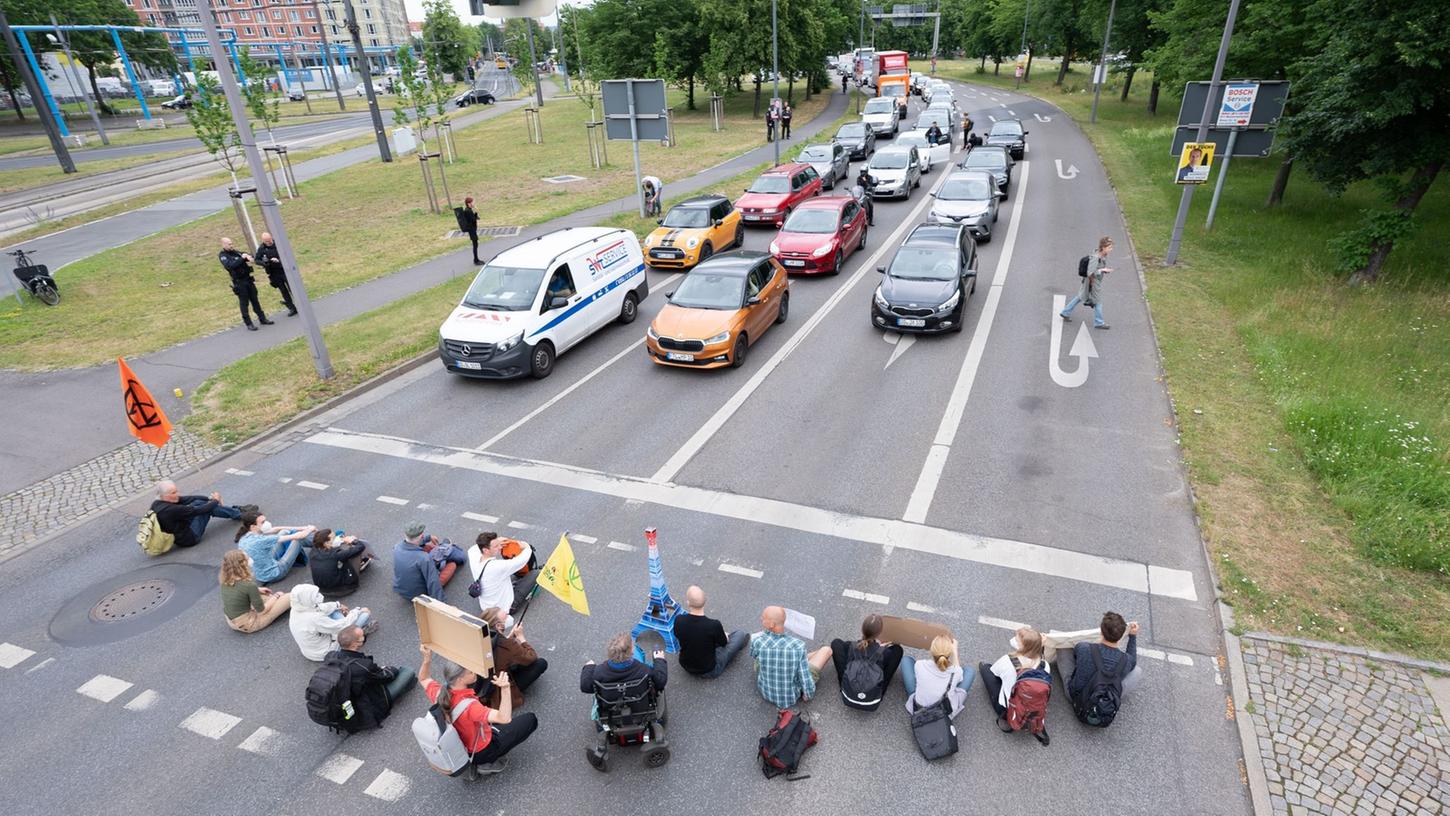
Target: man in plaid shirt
{"x": 784, "y": 671}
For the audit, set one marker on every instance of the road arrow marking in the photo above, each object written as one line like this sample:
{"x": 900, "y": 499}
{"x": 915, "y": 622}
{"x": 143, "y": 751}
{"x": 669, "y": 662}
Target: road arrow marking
{"x": 902, "y": 343}
{"x": 1071, "y": 171}
{"x": 1082, "y": 349}
{"x": 1042, "y": 118}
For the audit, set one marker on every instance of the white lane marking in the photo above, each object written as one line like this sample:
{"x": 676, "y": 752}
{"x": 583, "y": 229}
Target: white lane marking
{"x": 1066, "y": 175}
{"x": 237, "y": 472}
{"x": 919, "y": 504}
{"x": 390, "y": 786}
{"x": 583, "y": 539}
{"x": 142, "y": 701}
{"x": 1042, "y": 118}
{"x": 993, "y": 118}
{"x": 104, "y": 687}
{"x": 285, "y": 480}
{"x": 339, "y": 768}
{"x": 877, "y": 532}
{"x": 621, "y": 546}
{"x": 577, "y": 383}
{"x": 1000, "y": 623}
{"x": 717, "y": 420}
{"x": 483, "y": 517}
{"x": 42, "y": 664}
{"x": 746, "y": 571}
{"x": 312, "y": 485}
{"x": 1217, "y": 678}
{"x": 913, "y": 606}
{"x": 12, "y": 655}
{"x": 1026, "y": 148}
{"x": 902, "y": 343}
{"x": 263, "y": 741}
{"x": 519, "y": 525}
{"x": 1082, "y": 348}
{"x": 1153, "y": 653}
{"x": 865, "y": 596}
{"x": 210, "y": 723}
{"x": 1014, "y": 113}
{"x": 393, "y": 500}
{"x": 426, "y": 506}
{"x": 1182, "y": 660}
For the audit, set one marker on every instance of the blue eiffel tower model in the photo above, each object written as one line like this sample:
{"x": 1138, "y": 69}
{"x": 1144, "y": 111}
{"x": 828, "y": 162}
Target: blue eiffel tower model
{"x": 659, "y": 614}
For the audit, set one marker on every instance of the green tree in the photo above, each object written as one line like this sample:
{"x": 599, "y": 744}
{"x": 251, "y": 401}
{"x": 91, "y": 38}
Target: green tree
{"x": 446, "y": 40}
{"x": 211, "y": 118}
{"x": 516, "y": 38}
{"x": 263, "y": 103}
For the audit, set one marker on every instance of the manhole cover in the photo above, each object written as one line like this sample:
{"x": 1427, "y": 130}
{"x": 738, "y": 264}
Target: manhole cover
{"x": 132, "y": 601}
{"x": 565, "y": 179}
{"x": 500, "y": 232}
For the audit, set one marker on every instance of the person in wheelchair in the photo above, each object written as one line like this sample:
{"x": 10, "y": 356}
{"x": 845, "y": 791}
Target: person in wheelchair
{"x": 629, "y": 702}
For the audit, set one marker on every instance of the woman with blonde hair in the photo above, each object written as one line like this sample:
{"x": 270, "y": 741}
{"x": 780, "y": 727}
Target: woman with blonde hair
{"x": 931, "y": 679}
{"x": 248, "y": 607}
{"x": 1024, "y": 664}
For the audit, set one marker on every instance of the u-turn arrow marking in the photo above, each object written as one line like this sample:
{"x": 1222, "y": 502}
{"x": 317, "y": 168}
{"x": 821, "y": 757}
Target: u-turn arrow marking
{"x": 1069, "y": 174}
{"x": 1082, "y": 349}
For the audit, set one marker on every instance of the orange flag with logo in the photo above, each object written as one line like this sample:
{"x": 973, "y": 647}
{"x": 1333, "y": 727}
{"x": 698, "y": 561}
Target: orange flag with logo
{"x": 143, "y": 415}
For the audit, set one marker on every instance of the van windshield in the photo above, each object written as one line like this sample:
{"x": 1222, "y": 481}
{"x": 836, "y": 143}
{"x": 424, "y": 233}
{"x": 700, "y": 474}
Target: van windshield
{"x": 504, "y": 289}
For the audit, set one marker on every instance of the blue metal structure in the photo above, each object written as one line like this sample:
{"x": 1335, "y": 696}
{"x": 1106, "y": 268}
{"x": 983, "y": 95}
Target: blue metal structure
{"x": 661, "y": 611}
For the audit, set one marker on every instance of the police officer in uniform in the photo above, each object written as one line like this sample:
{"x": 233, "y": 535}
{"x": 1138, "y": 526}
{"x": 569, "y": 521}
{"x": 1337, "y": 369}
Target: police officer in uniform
{"x": 271, "y": 261}
{"x": 239, "y": 266}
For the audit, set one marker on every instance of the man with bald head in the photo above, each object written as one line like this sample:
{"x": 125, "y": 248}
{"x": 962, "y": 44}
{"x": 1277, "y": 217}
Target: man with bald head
{"x": 704, "y": 649}
{"x": 784, "y": 672}
{"x": 239, "y": 267}
{"x": 186, "y": 517}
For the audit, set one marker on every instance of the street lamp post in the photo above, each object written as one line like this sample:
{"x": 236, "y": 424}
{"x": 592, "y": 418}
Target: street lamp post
{"x": 271, "y": 212}
{"x": 775, "y": 69}
{"x": 367, "y": 78}
{"x": 1026, "y": 10}
{"x": 70, "y": 59}
{"x": 534, "y": 63}
{"x": 1102, "y": 78}
{"x": 327, "y": 52}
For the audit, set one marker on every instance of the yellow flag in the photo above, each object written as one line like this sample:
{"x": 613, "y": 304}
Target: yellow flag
{"x": 560, "y": 576}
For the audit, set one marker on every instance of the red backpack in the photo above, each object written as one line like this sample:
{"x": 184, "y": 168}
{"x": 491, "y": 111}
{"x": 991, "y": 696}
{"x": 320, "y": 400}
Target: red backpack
{"x": 1027, "y": 706}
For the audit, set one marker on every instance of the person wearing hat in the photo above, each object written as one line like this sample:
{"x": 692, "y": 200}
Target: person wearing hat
{"x": 423, "y": 565}
{"x": 468, "y": 222}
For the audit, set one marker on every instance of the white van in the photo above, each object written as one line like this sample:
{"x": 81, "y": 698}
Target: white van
{"x": 534, "y": 301}
{"x": 158, "y": 87}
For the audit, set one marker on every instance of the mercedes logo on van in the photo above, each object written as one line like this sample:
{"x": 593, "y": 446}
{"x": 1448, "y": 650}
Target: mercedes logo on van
{"x": 467, "y": 351}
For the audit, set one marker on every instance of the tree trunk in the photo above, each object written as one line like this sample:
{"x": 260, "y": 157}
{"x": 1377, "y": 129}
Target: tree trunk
{"x": 1128, "y": 82}
{"x": 790, "y": 90}
{"x": 757, "y": 96}
{"x": 1281, "y": 180}
{"x": 1066, "y": 63}
{"x": 1027, "y": 71}
{"x": 984, "y": 63}
{"x": 1153, "y": 98}
{"x": 997, "y": 68}
{"x": 691, "y": 94}
{"x": 101, "y": 106}
{"x": 1380, "y": 251}
{"x": 10, "y": 83}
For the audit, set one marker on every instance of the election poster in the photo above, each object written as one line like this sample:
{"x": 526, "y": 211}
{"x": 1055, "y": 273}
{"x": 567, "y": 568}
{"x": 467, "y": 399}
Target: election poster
{"x": 1195, "y": 162}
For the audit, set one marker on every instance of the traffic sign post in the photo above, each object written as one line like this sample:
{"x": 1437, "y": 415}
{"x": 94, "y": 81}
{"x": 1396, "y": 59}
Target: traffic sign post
{"x": 634, "y": 109}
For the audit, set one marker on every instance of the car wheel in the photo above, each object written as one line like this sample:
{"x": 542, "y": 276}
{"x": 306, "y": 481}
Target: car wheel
{"x": 740, "y": 236}
{"x": 836, "y": 265}
{"x": 706, "y": 251}
{"x": 630, "y": 310}
{"x": 742, "y": 347}
{"x": 987, "y": 237}
{"x": 784, "y": 308}
{"x": 541, "y": 360}
{"x": 862, "y": 244}
{"x": 995, "y": 211}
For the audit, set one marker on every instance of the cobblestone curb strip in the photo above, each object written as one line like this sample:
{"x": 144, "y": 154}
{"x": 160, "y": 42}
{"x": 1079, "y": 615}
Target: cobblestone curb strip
{"x": 1342, "y": 731}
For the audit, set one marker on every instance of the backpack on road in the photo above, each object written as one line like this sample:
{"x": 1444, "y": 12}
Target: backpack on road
{"x": 329, "y": 694}
{"x": 1027, "y": 706}
{"x": 1097, "y": 703}
{"x": 781, "y": 749}
{"x": 439, "y": 740}
{"x": 153, "y": 539}
{"x": 861, "y": 682}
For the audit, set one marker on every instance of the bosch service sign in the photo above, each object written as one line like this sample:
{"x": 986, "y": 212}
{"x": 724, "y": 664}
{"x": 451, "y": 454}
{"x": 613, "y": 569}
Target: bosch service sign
{"x": 1238, "y": 104}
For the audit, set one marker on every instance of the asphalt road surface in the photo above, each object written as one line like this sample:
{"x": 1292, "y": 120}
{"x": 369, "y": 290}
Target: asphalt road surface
{"x": 841, "y": 471}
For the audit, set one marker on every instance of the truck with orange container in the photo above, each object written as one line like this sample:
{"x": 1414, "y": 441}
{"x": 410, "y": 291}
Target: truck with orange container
{"x": 893, "y": 77}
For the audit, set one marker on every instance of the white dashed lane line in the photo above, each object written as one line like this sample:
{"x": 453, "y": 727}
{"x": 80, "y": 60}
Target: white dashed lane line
{"x": 143, "y": 701}
{"x": 42, "y": 664}
{"x": 1000, "y": 623}
{"x": 12, "y": 655}
{"x": 865, "y": 596}
{"x": 312, "y": 485}
{"x": 210, "y": 723}
{"x": 339, "y": 768}
{"x": 389, "y": 786}
{"x": 393, "y": 500}
{"x": 583, "y": 539}
{"x": 913, "y": 606}
{"x": 746, "y": 571}
{"x": 104, "y": 688}
{"x": 486, "y": 519}
{"x": 621, "y": 546}
{"x": 237, "y": 472}
{"x": 263, "y": 741}
{"x": 519, "y": 525}
{"x": 285, "y": 480}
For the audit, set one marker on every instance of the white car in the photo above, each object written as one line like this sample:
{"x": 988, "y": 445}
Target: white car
{"x": 882, "y": 115}
{"x": 897, "y": 171}
{"x": 933, "y": 88}
{"x": 361, "y": 89}
{"x": 938, "y": 155}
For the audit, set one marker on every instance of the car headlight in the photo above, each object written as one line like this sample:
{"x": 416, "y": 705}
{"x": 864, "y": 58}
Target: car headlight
{"x": 822, "y": 251}
{"x": 881, "y": 302}
{"x": 770, "y": 210}
{"x": 951, "y": 302}
{"x": 692, "y": 243}
{"x": 649, "y": 240}
{"x": 651, "y": 333}
{"x": 719, "y": 338}
{"x": 511, "y": 342}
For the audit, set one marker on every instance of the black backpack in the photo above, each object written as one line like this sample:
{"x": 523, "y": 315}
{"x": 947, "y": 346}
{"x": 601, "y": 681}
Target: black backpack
{"x": 1082, "y": 265}
{"x": 1097, "y": 703}
{"x": 329, "y": 694}
{"x": 861, "y": 682}
{"x": 781, "y": 749}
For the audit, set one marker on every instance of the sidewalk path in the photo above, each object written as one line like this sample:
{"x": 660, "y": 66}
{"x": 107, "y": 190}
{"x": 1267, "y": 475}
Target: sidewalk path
{"x": 85, "y": 404}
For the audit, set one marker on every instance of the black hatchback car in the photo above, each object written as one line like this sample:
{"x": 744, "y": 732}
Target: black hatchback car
{"x": 1008, "y": 133}
{"x": 475, "y": 96}
{"x": 927, "y": 284}
{"x": 858, "y": 138}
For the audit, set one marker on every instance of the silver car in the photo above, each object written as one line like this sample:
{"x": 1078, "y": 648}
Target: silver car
{"x": 969, "y": 198}
{"x": 832, "y": 162}
{"x": 896, "y": 170}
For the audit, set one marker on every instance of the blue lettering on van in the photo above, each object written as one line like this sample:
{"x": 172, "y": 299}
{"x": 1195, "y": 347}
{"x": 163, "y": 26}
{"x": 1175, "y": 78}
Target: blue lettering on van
{"x": 600, "y": 262}
{"x": 599, "y": 293}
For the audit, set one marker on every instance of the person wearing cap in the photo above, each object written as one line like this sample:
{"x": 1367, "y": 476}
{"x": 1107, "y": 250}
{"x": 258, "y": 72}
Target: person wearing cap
{"x": 468, "y": 222}
{"x": 423, "y": 564}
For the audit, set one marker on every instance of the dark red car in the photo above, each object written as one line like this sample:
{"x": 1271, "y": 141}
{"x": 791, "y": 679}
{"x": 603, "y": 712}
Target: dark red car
{"x": 820, "y": 234}
{"x": 776, "y": 192}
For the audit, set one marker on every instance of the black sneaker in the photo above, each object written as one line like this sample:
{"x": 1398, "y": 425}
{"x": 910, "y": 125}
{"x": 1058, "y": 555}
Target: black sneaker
{"x": 1102, "y": 326}
{"x": 291, "y": 311}
{"x": 1042, "y": 737}
{"x": 1003, "y": 726}
{"x": 372, "y": 628}
{"x": 493, "y": 767}
{"x": 265, "y": 322}
{"x": 251, "y": 327}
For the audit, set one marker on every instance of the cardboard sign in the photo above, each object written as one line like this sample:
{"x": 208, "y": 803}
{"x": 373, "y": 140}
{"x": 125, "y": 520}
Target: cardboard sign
{"x": 911, "y": 633}
{"x": 452, "y": 633}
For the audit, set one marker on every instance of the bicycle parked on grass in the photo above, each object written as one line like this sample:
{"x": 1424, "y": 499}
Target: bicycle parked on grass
{"x": 36, "y": 279}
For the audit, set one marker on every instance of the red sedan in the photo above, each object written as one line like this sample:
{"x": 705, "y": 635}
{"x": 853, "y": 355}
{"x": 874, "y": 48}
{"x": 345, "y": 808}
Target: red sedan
{"x": 820, "y": 234}
{"x": 777, "y": 192}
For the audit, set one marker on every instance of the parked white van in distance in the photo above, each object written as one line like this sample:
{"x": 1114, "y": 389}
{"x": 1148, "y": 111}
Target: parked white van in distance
{"x": 534, "y": 301}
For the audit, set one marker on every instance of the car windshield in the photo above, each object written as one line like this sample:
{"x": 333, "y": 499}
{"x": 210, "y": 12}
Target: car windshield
{"x": 816, "y": 153}
{"x": 944, "y": 114}
{"x": 964, "y": 189}
{"x": 1006, "y": 129}
{"x": 879, "y": 105}
{"x": 504, "y": 289}
{"x": 893, "y": 90}
{"x": 915, "y": 139}
{"x": 986, "y": 159}
{"x": 770, "y": 184}
{"x": 687, "y": 217}
{"x": 702, "y": 290}
{"x": 811, "y": 220}
{"x": 888, "y": 160}
{"x": 923, "y": 263}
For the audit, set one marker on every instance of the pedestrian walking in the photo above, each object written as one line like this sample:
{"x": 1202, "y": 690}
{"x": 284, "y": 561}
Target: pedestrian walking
{"x": 1092, "y": 268}
{"x": 271, "y": 262}
{"x": 239, "y": 266}
{"x": 844, "y": 79}
{"x": 468, "y": 222}
{"x": 770, "y": 124}
{"x": 785, "y": 115}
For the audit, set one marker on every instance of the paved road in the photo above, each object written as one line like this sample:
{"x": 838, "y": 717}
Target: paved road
{"x": 1053, "y": 504}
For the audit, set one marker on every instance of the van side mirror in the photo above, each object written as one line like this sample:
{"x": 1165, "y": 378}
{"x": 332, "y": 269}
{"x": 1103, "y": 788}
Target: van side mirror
{"x": 558, "y": 302}
{"x": 881, "y": 269}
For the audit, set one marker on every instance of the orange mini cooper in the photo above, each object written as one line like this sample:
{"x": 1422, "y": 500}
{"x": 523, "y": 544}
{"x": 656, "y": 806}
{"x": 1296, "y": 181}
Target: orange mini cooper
{"x": 721, "y": 307}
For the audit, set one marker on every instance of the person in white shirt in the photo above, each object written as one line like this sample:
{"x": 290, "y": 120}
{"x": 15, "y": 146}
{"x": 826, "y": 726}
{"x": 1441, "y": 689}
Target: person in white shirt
{"x": 317, "y": 622}
{"x": 654, "y": 195}
{"x": 930, "y": 679}
{"x": 495, "y": 574}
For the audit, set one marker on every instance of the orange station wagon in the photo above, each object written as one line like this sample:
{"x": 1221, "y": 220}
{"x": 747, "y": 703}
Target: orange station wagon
{"x": 721, "y": 307}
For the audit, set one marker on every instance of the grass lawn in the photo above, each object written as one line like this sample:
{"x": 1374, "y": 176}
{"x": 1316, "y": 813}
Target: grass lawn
{"x": 1315, "y": 417}
{"x": 351, "y": 226}
{"x": 15, "y": 180}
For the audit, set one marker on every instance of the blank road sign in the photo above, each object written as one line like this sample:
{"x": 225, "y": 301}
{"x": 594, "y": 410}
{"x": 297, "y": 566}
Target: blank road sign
{"x": 1252, "y": 144}
{"x": 650, "y": 119}
{"x": 1267, "y": 105}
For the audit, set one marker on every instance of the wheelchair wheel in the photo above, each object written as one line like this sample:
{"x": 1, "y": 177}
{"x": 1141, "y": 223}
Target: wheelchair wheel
{"x": 46, "y": 293}
{"x": 657, "y": 756}
{"x": 598, "y": 758}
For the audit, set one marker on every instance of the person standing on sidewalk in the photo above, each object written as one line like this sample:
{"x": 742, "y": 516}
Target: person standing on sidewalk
{"x": 239, "y": 266}
{"x": 654, "y": 195}
{"x": 271, "y": 262}
{"x": 844, "y": 79}
{"x": 1092, "y": 268}
{"x": 468, "y": 222}
{"x": 785, "y": 114}
{"x": 770, "y": 123}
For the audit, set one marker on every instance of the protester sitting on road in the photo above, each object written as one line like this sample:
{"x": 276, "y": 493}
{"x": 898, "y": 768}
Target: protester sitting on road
{"x": 784, "y": 672}
{"x": 315, "y": 622}
{"x": 621, "y": 667}
{"x": 705, "y": 651}
{"x": 1000, "y": 678}
{"x": 930, "y": 679}
{"x": 495, "y": 574}
{"x": 337, "y": 562}
{"x": 248, "y": 607}
{"x": 1090, "y": 670}
{"x": 273, "y": 553}
{"x": 423, "y": 565}
{"x": 514, "y": 655}
{"x": 374, "y": 688}
{"x": 186, "y": 517}
{"x": 865, "y": 668}
{"x": 487, "y": 733}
